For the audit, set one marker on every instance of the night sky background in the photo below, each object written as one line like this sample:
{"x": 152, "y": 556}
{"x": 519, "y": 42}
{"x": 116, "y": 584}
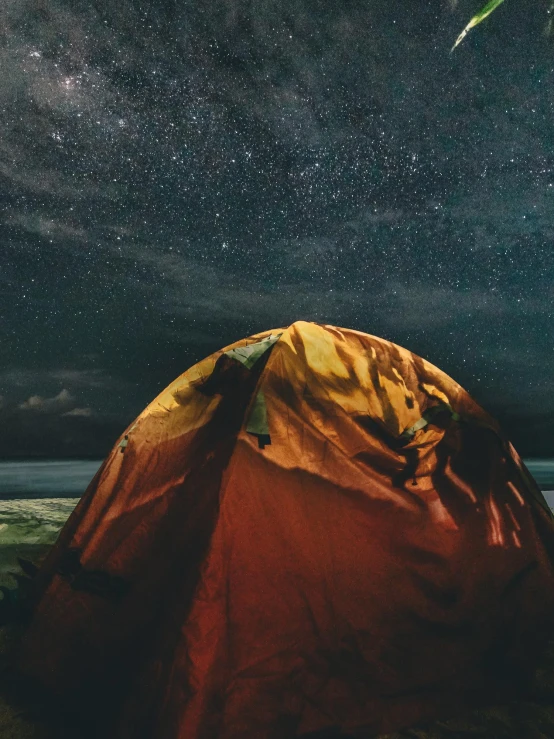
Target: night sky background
{"x": 178, "y": 174}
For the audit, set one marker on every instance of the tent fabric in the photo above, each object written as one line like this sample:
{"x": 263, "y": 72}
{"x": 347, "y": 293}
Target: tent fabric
{"x": 360, "y": 569}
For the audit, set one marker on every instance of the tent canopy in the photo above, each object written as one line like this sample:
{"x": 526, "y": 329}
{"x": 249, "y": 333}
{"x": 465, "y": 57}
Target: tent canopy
{"x": 311, "y": 528}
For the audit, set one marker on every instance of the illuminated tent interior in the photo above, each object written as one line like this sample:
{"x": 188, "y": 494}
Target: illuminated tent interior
{"x": 310, "y": 529}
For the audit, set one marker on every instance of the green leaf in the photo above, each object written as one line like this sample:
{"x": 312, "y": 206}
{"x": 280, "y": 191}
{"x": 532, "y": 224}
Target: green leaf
{"x": 483, "y": 13}
{"x": 549, "y": 24}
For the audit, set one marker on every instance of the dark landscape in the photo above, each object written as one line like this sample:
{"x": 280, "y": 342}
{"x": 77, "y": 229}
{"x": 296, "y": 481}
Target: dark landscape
{"x": 176, "y": 175}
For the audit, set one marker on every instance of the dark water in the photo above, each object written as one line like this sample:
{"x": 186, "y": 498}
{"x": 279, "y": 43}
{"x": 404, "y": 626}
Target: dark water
{"x": 69, "y": 478}
{"x": 46, "y": 478}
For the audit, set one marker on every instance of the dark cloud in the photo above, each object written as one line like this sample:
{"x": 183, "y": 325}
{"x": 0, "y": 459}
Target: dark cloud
{"x": 56, "y": 426}
{"x": 61, "y": 402}
{"x": 176, "y": 175}
{"x": 76, "y": 435}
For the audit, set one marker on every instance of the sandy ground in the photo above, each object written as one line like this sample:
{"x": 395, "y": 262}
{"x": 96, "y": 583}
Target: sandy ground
{"x": 29, "y": 527}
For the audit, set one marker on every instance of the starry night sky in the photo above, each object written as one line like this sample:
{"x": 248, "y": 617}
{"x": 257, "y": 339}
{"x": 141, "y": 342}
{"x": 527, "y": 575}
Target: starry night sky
{"x": 178, "y": 174}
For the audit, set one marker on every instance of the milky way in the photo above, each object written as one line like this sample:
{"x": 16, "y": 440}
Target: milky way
{"x": 176, "y": 175}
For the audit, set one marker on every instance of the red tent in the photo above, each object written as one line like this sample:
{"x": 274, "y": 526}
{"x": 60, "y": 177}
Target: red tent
{"x": 311, "y": 528}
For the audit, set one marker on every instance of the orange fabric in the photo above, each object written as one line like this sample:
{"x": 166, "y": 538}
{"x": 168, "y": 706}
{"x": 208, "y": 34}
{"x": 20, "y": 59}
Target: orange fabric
{"x": 343, "y": 575}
